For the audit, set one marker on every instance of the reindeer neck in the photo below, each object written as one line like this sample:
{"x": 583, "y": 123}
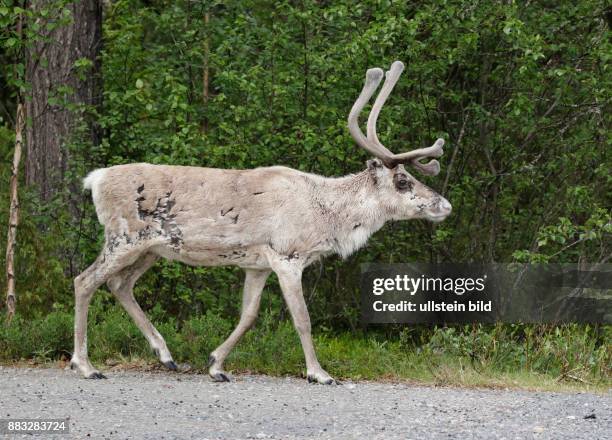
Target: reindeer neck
{"x": 352, "y": 209}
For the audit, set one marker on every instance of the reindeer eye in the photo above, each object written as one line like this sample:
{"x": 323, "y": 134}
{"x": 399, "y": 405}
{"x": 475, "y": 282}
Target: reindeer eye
{"x": 402, "y": 182}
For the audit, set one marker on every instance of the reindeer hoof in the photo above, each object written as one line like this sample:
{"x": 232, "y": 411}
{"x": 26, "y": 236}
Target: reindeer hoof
{"x": 220, "y": 377}
{"x": 170, "y": 365}
{"x": 96, "y": 375}
{"x": 329, "y": 381}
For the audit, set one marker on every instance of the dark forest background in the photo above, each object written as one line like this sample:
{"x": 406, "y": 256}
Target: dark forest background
{"x": 519, "y": 90}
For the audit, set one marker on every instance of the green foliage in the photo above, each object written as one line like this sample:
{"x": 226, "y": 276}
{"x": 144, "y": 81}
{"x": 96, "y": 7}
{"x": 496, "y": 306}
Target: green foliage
{"x": 520, "y": 83}
{"x": 530, "y": 179}
{"x": 20, "y": 26}
{"x": 555, "y": 350}
{"x": 520, "y": 92}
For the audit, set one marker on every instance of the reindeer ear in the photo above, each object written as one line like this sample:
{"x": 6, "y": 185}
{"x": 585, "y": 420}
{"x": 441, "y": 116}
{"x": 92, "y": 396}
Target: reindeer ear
{"x": 374, "y": 164}
{"x": 375, "y": 168}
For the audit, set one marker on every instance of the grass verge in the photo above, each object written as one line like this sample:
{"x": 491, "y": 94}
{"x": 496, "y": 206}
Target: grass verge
{"x": 568, "y": 358}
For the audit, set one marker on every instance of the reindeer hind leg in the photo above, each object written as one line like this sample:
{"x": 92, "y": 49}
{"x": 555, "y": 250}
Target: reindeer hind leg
{"x": 122, "y": 285}
{"x": 107, "y": 264}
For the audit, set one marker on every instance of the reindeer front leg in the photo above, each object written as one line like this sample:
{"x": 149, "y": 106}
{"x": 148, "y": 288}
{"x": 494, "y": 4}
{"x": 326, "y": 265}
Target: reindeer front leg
{"x": 253, "y": 286}
{"x": 290, "y": 278}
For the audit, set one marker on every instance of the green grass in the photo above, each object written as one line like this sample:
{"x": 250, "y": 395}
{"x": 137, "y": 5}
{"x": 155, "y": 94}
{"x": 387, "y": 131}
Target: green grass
{"x": 534, "y": 357}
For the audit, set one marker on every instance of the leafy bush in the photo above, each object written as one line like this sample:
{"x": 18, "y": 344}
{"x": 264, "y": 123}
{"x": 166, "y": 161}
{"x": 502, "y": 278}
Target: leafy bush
{"x": 521, "y": 93}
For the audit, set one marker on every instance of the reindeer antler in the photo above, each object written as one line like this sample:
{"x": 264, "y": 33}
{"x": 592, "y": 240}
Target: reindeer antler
{"x": 371, "y": 143}
{"x": 373, "y": 78}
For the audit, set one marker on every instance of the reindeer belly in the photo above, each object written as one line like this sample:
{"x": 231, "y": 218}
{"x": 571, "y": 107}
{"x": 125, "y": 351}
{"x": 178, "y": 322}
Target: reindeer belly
{"x": 253, "y": 257}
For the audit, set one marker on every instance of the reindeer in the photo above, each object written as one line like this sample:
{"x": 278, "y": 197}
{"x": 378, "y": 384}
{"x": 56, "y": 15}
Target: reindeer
{"x": 262, "y": 220}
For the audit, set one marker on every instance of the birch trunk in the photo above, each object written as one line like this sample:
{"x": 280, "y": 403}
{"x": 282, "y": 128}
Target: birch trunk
{"x": 11, "y": 241}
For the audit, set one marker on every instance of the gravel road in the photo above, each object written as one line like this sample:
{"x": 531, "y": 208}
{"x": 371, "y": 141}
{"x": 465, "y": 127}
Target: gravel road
{"x": 187, "y": 406}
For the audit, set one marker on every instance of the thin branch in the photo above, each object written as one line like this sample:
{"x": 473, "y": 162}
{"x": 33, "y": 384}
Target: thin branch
{"x": 205, "y": 71}
{"x": 455, "y": 151}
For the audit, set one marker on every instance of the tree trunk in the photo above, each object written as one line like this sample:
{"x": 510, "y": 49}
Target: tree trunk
{"x": 11, "y": 240}
{"x": 51, "y": 73}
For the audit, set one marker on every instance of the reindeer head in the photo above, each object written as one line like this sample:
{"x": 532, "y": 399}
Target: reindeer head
{"x": 401, "y": 195}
